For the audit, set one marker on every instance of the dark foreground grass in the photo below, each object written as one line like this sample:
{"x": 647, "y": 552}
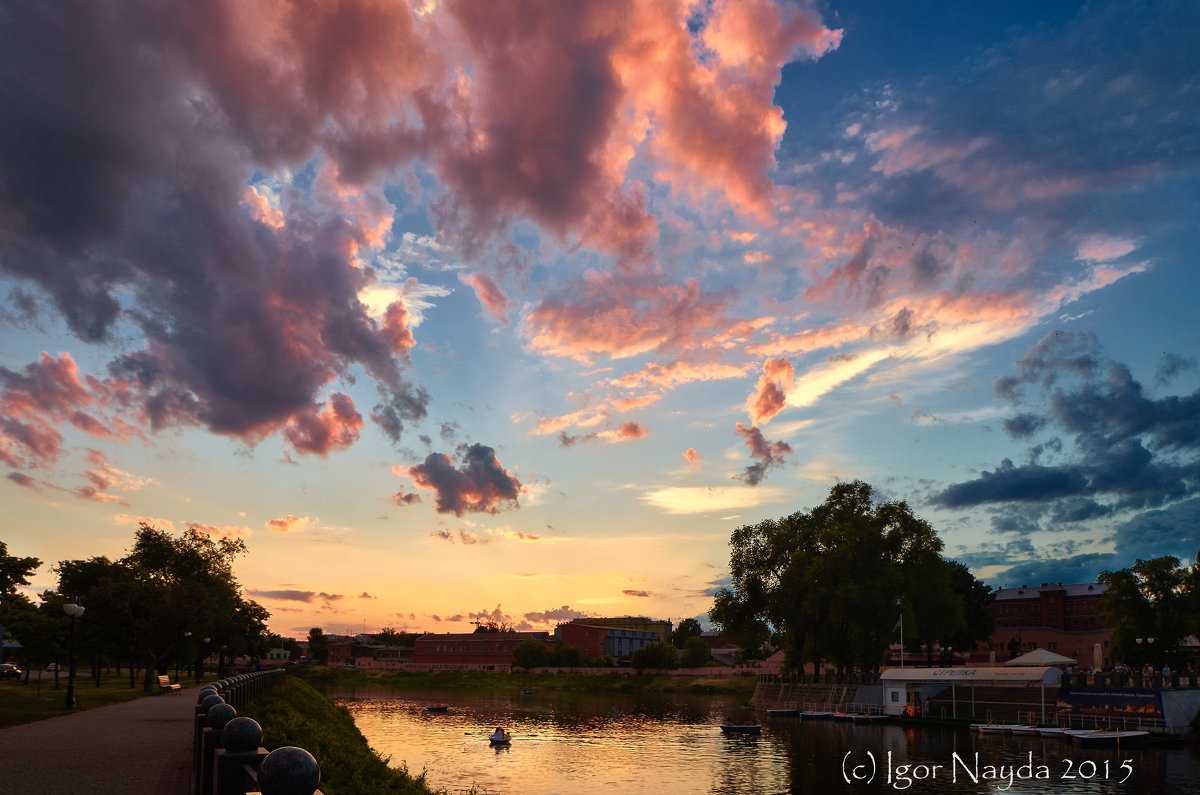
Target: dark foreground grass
{"x": 293, "y": 713}
{"x": 22, "y": 703}
{"x": 492, "y": 681}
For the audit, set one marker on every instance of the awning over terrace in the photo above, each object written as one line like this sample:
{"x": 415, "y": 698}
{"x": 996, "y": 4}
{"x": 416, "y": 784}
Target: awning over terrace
{"x": 989, "y": 677}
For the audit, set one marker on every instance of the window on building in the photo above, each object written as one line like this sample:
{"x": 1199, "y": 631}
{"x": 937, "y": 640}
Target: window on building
{"x": 1052, "y": 645}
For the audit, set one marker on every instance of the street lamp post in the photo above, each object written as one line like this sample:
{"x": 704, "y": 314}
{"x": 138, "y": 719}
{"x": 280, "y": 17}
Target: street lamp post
{"x": 74, "y": 611}
{"x": 200, "y": 657}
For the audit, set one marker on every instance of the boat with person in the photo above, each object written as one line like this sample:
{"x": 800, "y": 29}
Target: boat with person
{"x": 437, "y": 708}
{"x": 500, "y": 737}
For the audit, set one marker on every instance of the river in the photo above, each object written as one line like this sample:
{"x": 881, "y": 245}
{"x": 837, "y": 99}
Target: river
{"x": 588, "y": 744}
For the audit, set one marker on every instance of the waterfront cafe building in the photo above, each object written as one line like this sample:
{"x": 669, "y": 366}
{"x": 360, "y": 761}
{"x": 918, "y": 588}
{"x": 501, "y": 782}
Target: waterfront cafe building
{"x": 1000, "y": 693}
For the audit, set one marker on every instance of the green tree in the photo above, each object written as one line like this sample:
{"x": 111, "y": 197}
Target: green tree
{"x": 170, "y": 585}
{"x": 530, "y": 654}
{"x": 654, "y": 655}
{"x": 976, "y": 598}
{"x": 695, "y": 653}
{"x": 1152, "y": 599}
{"x": 565, "y": 655}
{"x": 687, "y": 628}
{"x": 318, "y": 646}
{"x": 831, "y": 582}
{"x": 14, "y": 570}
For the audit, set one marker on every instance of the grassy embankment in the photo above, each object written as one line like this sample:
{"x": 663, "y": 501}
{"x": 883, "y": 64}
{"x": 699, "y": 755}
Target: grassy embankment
{"x": 22, "y": 703}
{"x": 293, "y": 713}
{"x": 488, "y": 681}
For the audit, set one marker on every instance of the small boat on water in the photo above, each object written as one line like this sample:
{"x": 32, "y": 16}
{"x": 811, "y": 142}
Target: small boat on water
{"x": 500, "y": 737}
{"x": 783, "y": 713}
{"x": 812, "y": 714}
{"x": 527, "y": 692}
{"x": 741, "y": 728}
{"x": 437, "y": 708}
{"x": 1018, "y": 729}
{"x": 1109, "y": 737}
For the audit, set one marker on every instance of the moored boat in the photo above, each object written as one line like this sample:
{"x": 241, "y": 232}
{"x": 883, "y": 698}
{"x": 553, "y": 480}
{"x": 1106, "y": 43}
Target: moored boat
{"x": 783, "y": 713}
{"x": 808, "y": 713}
{"x": 437, "y": 708}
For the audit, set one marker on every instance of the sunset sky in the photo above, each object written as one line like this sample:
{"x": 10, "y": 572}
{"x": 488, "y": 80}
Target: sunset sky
{"x": 517, "y": 309}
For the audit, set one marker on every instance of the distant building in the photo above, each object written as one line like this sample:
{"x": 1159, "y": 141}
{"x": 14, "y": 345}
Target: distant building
{"x": 597, "y": 640}
{"x": 660, "y": 628}
{"x": 1064, "y": 619}
{"x": 474, "y": 650}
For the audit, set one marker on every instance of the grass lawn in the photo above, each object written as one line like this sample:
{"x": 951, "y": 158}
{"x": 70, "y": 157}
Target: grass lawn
{"x": 293, "y": 713}
{"x": 22, "y": 703}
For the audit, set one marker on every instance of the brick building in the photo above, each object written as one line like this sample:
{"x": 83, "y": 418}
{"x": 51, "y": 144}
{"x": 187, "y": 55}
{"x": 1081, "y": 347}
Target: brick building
{"x": 661, "y": 628}
{"x": 474, "y": 650}
{"x": 597, "y": 640}
{"x": 1065, "y": 619}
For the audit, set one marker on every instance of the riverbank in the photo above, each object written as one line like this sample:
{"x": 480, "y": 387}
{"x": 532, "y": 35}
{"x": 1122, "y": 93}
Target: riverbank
{"x": 293, "y": 713}
{"x": 742, "y": 686}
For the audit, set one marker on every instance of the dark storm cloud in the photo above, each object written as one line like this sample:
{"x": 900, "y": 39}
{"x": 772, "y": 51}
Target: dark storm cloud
{"x": 123, "y": 176}
{"x": 1081, "y": 568}
{"x": 1024, "y": 426}
{"x": 1028, "y": 483}
{"x": 478, "y": 485}
{"x": 1169, "y": 531}
{"x": 1171, "y": 365}
{"x": 1129, "y": 452}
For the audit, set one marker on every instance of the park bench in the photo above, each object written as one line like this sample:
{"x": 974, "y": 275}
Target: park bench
{"x": 164, "y": 683}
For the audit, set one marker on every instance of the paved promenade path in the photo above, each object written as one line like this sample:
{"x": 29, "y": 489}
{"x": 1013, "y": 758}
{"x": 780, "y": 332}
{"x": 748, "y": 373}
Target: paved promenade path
{"x": 141, "y": 747}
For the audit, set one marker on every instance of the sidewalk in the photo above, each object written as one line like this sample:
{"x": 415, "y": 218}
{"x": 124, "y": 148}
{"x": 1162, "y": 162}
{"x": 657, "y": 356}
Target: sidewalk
{"x": 141, "y": 746}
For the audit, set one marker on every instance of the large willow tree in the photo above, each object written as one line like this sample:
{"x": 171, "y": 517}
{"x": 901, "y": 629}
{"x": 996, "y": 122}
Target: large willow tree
{"x": 832, "y": 582}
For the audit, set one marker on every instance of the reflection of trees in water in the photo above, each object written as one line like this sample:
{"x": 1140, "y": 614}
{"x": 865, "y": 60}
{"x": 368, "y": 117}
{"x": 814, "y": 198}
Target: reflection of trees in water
{"x": 604, "y": 742}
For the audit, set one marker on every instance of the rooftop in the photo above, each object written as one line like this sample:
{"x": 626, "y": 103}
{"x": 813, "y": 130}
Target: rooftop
{"x": 1025, "y": 592}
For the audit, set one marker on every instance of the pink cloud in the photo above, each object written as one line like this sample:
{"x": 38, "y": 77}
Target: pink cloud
{"x": 489, "y": 294}
{"x": 395, "y": 329}
{"x": 620, "y": 317}
{"x": 319, "y": 433}
{"x": 625, "y": 432}
{"x": 693, "y": 457}
{"x": 770, "y": 394}
{"x": 288, "y": 524}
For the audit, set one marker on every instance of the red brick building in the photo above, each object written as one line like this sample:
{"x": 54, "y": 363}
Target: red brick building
{"x": 592, "y": 641}
{"x": 486, "y": 650}
{"x": 1064, "y": 619}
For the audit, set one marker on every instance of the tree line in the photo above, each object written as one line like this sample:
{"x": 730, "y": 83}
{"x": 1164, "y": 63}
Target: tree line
{"x": 172, "y": 600}
{"x": 833, "y": 585}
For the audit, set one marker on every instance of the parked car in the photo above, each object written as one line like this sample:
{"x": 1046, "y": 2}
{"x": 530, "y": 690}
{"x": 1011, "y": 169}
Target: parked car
{"x": 10, "y": 671}
{"x": 53, "y": 667}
